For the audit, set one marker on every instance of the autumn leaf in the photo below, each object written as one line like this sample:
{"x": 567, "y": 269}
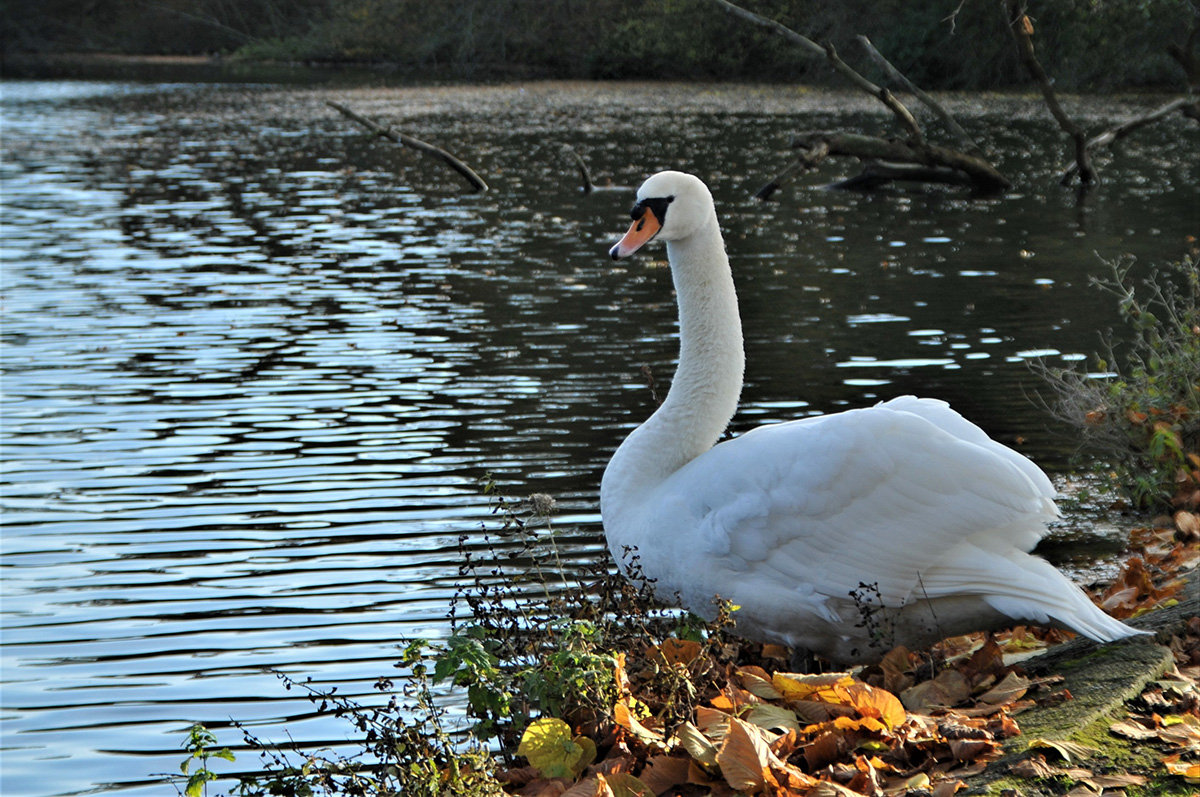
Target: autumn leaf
{"x": 1188, "y": 770}
{"x": 623, "y": 784}
{"x": 1013, "y": 687}
{"x": 1131, "y": 730}
{"x": 794, "y": 686}
{"x": 1063, "y": 748}
{"x": 548, "y": 744}
{"x": 665, "y": 772}
{"x": 624, "y": 718}
{"x": 696, "y": 744}
{"x": 743, "y": 757}
{"x": 772, "y": 718}
{"x": 876, "y": 703}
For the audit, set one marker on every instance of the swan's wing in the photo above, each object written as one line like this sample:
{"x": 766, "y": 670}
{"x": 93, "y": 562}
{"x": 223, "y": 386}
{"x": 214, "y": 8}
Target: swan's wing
{"x": 873, "y": 496}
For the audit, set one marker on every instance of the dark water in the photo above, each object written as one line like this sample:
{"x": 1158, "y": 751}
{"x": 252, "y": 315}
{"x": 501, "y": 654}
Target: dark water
{"x": 255, "y": 362}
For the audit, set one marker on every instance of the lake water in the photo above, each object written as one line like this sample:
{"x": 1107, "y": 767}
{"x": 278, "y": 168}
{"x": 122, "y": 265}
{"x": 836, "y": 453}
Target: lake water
{"x": 256, "y": 362}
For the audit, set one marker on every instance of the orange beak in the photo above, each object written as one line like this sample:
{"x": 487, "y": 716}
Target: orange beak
{"x": 644, "y": 228}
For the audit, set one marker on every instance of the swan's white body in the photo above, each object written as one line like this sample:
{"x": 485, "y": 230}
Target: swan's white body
{"x": 788, "y": 520}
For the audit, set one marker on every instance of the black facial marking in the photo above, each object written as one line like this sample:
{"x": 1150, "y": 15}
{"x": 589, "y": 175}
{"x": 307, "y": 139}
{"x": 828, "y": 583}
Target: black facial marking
{"x": 656, "y": 205}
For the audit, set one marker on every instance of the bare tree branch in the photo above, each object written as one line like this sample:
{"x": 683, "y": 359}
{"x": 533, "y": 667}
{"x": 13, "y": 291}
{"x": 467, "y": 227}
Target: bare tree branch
{"x": 883, "y": 95}
{"x": 1115, "y": 134}
{"x": 896, "y": 76}
{"x": 1021, "y": 29}
{"x": 408, "y": 141}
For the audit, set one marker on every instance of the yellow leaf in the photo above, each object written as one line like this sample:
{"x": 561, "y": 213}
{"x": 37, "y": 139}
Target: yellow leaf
{"x": 548, "y": 746}
{"x": 624, "y": 717}
{"x": 871, "y": 702}
{"x": 799, "y": 687}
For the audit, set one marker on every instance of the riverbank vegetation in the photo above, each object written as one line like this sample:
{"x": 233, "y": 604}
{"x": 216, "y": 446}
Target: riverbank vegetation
{"x": 945, "y": 44}
{"x": 592, "y": 689}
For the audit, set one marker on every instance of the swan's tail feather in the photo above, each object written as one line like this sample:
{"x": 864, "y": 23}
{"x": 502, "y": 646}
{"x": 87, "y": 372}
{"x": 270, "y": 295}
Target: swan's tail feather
{"x": 1024, "y": 587}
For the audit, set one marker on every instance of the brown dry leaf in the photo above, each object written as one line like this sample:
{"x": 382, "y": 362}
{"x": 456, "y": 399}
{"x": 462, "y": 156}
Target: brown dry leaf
{"x": 772, "y": 718}
{"x": 665, "y": 772}
{"x": 680, "y": 651}
{"x": 544, "y": 787}
{"x": 624, "y": 717}
{"x": 1013, "y": 687}
{"x": 949, "y": 688}
{"x": 1118, "y": 781}
{"x": 827, "y": 788}
{"x": 1188, "y": 523}
{"x": 1063, "y": 748}
{"x": 757, "y": 682}
{"x": 594, "y": 786}
{"x": 697, "y": 744}
{"x": 770, "y": 651}
{"x": 1188, "y": 770}
{"x": 823, "y": 751}
{"x": 1033, "y": 767}
{"x": 947, "y": 788}
{"x": 897, "y": 670}
{"x": 1131, "y": 730}
{"x": 1082, "y": 790}
{"x": 744, "y": 757}
{"x": 970, "y": 749}
{"x": 622, "y": 784}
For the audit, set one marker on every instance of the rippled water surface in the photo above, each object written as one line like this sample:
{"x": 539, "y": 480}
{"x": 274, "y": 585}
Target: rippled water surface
{"x": 256, "y": 363}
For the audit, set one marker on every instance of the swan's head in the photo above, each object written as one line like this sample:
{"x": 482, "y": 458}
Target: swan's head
{"x": 670, "y": 206}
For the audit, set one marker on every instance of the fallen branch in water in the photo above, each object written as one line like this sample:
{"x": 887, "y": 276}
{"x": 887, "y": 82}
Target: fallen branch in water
{"x": 413, "y": 143}
{"x": 936, "y": 161}
{"x": 1115, "y": 134}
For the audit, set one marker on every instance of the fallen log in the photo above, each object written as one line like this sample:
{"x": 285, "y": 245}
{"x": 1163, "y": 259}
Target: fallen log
{"x": 413, "y": 143}
{"x": 939, "y": 162}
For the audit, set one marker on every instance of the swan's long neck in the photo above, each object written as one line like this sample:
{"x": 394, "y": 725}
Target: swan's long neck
{"x": 708, "y": 380}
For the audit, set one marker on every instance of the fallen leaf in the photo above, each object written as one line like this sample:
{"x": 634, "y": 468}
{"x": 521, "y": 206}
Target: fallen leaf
{"x": 772, "y": 718}
{"x": 1063, "y": 748}
{"x": 1119, "y": 781}
{"x": 743, "y": 757}
{"x": 876, "y": 703}
{"x": 623, "y": 784}
{"x": 664, "y": 772}
{"x": 949, "y": 688}
{"x": 1013, "y": 687}
{"x": 696, "y": 744}
{"x": 1189, "y": 771}
{"x": 1131, "y": 730}
{"x": 548, "y": 745}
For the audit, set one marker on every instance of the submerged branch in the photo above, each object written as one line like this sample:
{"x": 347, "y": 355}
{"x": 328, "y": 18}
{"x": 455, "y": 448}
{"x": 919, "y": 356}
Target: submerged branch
{"x": 413, "y": 143}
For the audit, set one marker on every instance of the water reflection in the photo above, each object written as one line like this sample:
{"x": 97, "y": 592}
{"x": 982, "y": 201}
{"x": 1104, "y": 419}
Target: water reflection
{"x": 256, "y": 362}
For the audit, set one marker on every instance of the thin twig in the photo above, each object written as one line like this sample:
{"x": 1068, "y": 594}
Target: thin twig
{"x": 902, "y": 114}
{"x": 1115, "y": 134}
{"x": 413, "y": 143}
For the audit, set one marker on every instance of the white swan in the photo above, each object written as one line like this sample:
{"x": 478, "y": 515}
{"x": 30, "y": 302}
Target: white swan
{"x": 787, "y": 520}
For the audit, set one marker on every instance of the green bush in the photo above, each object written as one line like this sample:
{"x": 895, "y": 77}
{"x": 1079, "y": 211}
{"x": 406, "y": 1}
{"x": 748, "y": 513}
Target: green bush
{"x": 1141, "y": 417}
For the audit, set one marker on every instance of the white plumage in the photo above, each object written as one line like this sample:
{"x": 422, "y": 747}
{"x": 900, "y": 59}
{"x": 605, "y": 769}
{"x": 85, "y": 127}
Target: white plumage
{"x": 788, "y": 520}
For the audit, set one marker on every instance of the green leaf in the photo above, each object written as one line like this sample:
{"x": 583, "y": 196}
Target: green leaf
{"x": 226, "y": 754}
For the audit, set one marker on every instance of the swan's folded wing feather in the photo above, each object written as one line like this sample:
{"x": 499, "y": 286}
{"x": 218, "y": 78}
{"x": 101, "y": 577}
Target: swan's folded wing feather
{"x": 870, "y": 496}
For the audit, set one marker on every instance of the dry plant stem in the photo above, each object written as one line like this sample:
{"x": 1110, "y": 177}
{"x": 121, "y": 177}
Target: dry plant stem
{"x": 1115, "y": 134}
{"x": 1020, "y": 29}
{"x": 412, "y": 143}
{"x": 896, "y": 76}
{"x": 883, "y": 95}
{"x": 983, "y": 175}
